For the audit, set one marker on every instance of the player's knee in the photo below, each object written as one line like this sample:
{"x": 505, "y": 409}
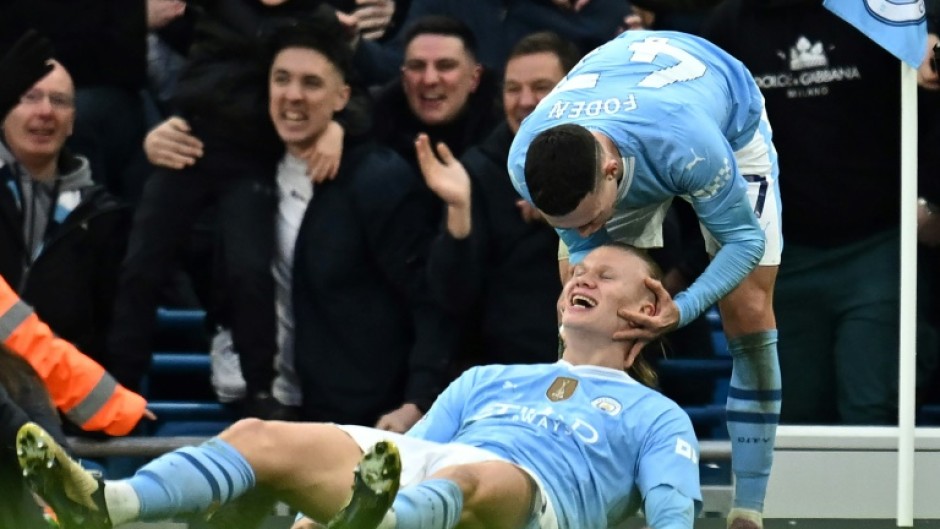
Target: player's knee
{"x": 756, "y": 304}
{"x": 249, "y": 431}
{"x": 464, "y": 476}
{"x": 748, "y": 309}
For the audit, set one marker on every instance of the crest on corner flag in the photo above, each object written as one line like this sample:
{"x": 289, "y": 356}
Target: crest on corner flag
{"x": 899, "y": 26}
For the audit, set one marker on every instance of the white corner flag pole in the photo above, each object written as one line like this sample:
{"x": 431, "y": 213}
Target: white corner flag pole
{"x": 899, "y": 26}
{"x": 908, "y": 312}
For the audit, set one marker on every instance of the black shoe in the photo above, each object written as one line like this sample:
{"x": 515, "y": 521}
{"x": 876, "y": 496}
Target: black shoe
{"x": 261, "y": 405}
{"x": 76, "y": 496}
{"x": 375, "y": 485}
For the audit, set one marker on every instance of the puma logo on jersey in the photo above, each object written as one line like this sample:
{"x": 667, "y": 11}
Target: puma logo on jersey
{"x": 695, "y": 161}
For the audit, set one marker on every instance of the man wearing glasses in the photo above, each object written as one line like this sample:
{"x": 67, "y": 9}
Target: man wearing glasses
{"x": 61, "y": 236}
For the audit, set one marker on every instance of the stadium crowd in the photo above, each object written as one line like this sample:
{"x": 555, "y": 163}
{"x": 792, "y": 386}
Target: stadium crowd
{"x": 349, "y": 221}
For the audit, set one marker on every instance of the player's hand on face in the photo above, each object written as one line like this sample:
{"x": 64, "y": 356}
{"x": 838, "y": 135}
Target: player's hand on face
{"x": 400, "y": 420}
{"x": 172, "y": 145}
{"x": 446, "y": 177}
{"x": 647, "y": 327}
{"x": 323, "y": 157}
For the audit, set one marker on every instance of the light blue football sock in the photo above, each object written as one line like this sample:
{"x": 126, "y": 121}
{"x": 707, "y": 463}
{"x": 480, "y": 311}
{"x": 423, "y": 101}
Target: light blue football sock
{"x": 191, "y": 480}
{"x": 431, "y": 504}
{"x": 753, "y": 411}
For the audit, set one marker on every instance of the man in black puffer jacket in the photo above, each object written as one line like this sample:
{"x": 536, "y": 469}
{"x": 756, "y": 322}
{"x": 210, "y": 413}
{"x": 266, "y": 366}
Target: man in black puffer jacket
{"x": 502, "y": 274}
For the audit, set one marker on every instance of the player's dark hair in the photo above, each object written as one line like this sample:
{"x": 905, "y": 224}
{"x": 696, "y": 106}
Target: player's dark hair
{"x": 547, "y": 42}
{"x": 561, "y": 168}
{"x": 321, "y": 34}
{"x": 442, "y": 25}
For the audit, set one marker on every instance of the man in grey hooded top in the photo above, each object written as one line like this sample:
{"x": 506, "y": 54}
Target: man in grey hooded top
{"x": 62, "y": 237}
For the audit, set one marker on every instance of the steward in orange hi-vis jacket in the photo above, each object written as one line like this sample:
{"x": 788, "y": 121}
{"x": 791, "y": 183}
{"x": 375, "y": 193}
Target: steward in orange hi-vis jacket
{"x": 79, "y": 386}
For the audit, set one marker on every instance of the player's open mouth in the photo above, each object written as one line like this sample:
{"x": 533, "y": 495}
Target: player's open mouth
{"x": 293, "y": 115}
{"x": 42, "y": 131}
{"x": 580, "y": 300}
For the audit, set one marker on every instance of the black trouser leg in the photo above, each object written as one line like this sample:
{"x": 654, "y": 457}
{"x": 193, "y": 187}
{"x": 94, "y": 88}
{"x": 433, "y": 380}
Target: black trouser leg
{"x": 12, "y": 417}
{"x": 246, "y": 222}
{"x": 170, "y": 204}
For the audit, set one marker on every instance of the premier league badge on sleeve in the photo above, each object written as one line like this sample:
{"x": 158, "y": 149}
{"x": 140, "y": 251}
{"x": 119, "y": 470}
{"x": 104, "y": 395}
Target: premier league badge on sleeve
{"x": 561, "y": 389}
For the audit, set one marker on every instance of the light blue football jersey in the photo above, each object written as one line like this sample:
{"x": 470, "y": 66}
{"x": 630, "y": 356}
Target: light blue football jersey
{"x": 677, "y": 107}
{"x": 597, "y": 439}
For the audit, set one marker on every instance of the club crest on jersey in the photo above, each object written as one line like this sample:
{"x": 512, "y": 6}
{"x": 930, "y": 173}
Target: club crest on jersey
{"x": 607, "y": 404}
{"x": 561, "y": 389}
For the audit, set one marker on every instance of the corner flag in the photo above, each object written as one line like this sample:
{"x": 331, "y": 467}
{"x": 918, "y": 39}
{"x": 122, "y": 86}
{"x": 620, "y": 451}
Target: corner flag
{"x": 899, "y": 26}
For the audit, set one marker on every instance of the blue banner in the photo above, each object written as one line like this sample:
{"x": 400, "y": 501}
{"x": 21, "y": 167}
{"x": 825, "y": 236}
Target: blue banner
{"x": 899, "y": 26}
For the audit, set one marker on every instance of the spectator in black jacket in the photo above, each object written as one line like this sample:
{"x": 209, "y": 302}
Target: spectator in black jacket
{"x": 23, "y": 397}
{"x": 371, "y": 347}
{"x": 62, "y": 236}
{"x": 219, "y": 147}
{"x": 497, "y": 26}
{"x": 495, "y": 260}
{"x": 442, "y": 91}
{"x": 818, "y": 74}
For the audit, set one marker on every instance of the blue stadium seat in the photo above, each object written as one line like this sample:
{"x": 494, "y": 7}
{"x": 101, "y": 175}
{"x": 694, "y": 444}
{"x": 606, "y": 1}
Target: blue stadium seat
{"x": 710, "y": 418}
{"x": 167, "y": 410}
{"x": 181, "y": 330}
{"x": 189, "y": 418}
{"x": 719, "y": 342}
{"x": 180, "y": 319}
{"x": 175, "y": 363}
{"x": 695, "y": 367}
{"x": 179, "y": 389}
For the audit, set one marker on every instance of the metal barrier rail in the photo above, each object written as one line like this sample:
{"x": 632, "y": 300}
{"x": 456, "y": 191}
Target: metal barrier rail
{"x": 130, "y": 446}
{"x": 155, "y": 446}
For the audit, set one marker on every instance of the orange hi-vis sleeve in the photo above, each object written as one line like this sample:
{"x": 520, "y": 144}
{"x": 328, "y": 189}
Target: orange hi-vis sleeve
{"x": 80, "y": 387}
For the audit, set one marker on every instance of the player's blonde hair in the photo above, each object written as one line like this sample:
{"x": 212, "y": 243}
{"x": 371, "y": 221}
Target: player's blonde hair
{"x": 642, "y": 370}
